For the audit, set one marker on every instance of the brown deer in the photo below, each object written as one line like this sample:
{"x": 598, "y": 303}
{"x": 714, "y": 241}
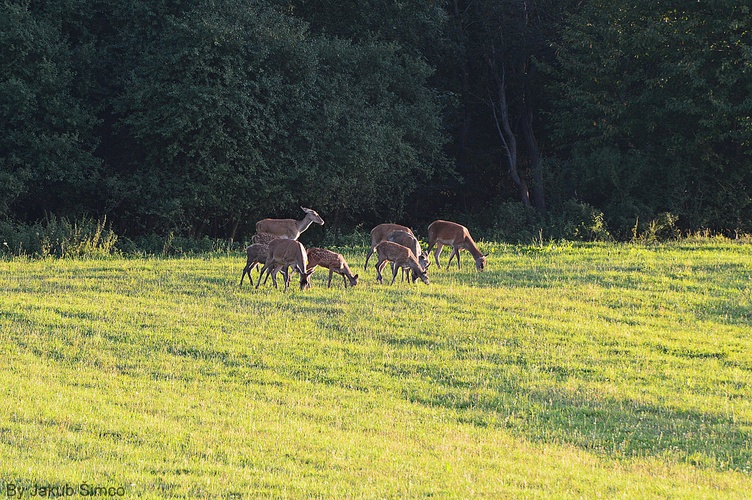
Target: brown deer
{"x": 410, "y": 241}
{"x": 283, "y": 253}
{"x": 256, "y": 255}
{"x": 332, "y": 261}
{"x": 443, "y": 232}
{"x": 289, "y": 228}
{"x": 402, "y": 257}
{"x": 381, "y": 233}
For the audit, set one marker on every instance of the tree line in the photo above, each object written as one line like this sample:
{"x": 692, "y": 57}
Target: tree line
{"x": 201, "y": 117}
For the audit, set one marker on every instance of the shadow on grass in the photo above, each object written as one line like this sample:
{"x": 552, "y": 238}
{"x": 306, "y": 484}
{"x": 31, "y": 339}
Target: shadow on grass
{"x": 617, "y": 428}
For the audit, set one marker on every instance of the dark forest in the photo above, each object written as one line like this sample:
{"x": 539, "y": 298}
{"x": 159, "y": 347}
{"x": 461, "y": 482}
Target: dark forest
{"x": 566, "y": 119}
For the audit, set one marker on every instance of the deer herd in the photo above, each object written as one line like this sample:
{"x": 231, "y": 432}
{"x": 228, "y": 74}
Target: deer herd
{"x": 275, "y": 248}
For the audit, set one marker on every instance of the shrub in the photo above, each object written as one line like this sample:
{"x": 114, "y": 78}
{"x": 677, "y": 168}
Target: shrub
{"x": 58, "y": 237}
{"x": 579, "y": 221}
{"x": 662, "y": 228}
{"x": 514, "y": 223}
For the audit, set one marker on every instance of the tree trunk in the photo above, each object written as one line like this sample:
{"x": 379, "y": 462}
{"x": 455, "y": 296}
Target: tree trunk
{"x": 538, "y": 197}
{"x": 508, "y": 140}
{"x": 234, "y": 230}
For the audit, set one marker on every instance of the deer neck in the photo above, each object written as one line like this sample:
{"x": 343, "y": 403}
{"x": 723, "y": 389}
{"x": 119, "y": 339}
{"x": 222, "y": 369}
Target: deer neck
{"x": 301, "y": 265}
{"x": 304, "y": 224}
{"x": 473, "y": 248}
{"x": 346, "y": 271}
{"x": 414, "y": 265}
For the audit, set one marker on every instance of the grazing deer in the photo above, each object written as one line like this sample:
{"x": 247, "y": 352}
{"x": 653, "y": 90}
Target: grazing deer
{"x": 283, "y": 253}
{"x": 256, "y": 255}
{"x": 410, "y": 241}
{"x": 403, "y": 257}
{"x": 443, "y": 232}
{"x": 332, "y": 261}
{"x": 380, "y": 233}
{"x": 289, "y": 228}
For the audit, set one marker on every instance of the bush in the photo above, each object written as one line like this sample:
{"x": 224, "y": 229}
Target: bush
{"x": 514, "y": 223}
{"x": 663, "y": 228}
{"x": 579, "y": 221}
{"x": 58, "y": 237}
{"x": 174, "y": 245}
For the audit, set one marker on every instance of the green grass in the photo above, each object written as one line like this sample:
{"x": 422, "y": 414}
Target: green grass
{"x": 568, "y": 371}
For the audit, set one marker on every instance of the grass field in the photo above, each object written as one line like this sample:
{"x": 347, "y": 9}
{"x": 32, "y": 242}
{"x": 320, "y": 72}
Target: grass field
{"x": 564, "y": 371}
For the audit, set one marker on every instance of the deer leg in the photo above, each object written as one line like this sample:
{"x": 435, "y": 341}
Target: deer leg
{"x": 274, "y": 276}
{"x": 394, "y": 273}
{"x": 379, "y": 266}
{"x": 248, "y": 269}
{"x": 455, "y": 251}
{"x": 430, "y": 246}
{"x": 409, "y": 271}
{"x": 436, "y": 254}
{"x": 286, "y": 273}
{"x": 254, "y": 266}
{"x": 245, "y": 270}
{"x": 370, "y": 252}
{"x": 266, "y": 270}
{"x": 329, "y": 283}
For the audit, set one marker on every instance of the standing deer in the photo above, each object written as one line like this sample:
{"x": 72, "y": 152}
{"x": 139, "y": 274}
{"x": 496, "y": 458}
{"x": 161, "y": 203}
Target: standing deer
{"x": 289, "y": 228}
{"x": 283, "y": 253}
{"x": 403, "y": 257}
{"x": 332, "y": 261}
{"x": 443, "y": 232}
{"x": 256, "y": 254}
{"x": 380, "y": 233}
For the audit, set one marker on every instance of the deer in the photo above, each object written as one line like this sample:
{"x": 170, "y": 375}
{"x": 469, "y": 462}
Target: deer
{"x": 402, "y": 257}
{"x": 289, "y": 228}
{"x": 332, "y": 261}
{"x": 284, "y": 252}
{"x": 256, "y": 255}
{"x": 457, "y": 236}
{"x": 263, "y": 238}
{"x": 380, "y": 233}
{"x": 410, "y": 241}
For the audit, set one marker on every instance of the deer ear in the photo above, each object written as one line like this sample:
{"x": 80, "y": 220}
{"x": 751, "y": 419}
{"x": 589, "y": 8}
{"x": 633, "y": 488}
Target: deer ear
{"x": 306, "y": 210}
{"x": 356, "y": 276}
{"x": 485, "y": 255}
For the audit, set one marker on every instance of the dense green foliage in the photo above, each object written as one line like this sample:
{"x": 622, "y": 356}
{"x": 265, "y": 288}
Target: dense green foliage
{"x": 563, "y": 371}
{"x": 655, "y": 107}
{"x": 201, "y": 117}
{"x": 47, "y": 140}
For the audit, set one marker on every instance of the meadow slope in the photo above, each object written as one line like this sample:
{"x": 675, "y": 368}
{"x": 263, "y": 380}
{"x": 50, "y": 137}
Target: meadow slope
{"x": 599, "y": 370}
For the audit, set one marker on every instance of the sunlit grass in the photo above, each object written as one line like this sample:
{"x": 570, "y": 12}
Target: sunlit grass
{"x": 565, "y": 370}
